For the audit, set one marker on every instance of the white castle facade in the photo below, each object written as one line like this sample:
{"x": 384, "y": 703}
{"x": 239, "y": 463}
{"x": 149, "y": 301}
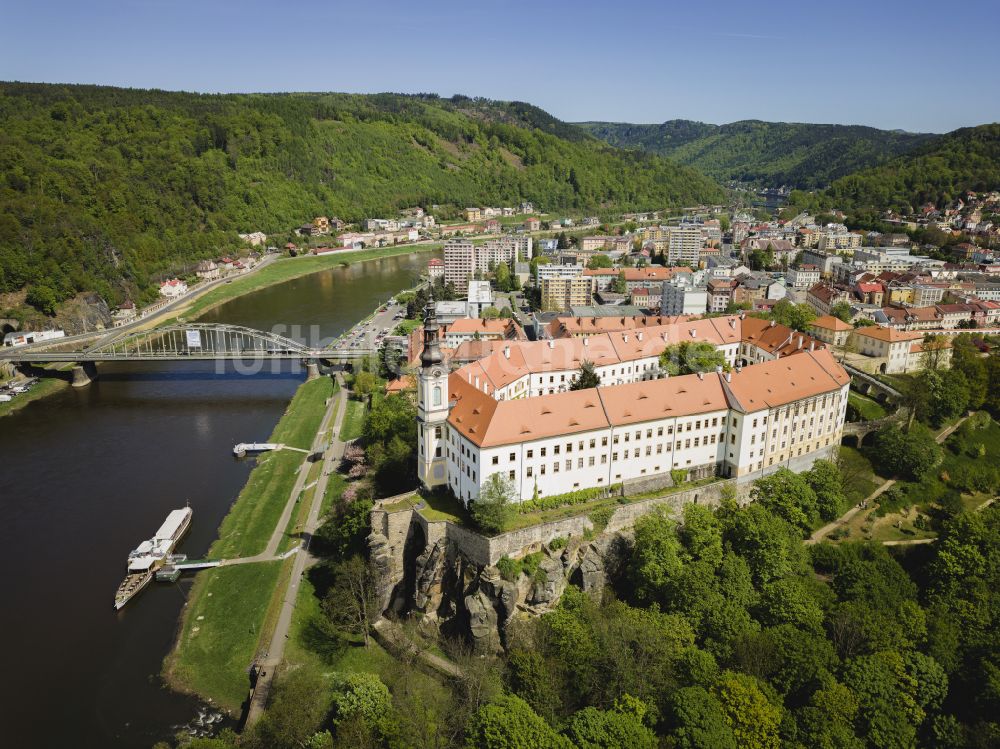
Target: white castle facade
{"x": 782, "y": 404}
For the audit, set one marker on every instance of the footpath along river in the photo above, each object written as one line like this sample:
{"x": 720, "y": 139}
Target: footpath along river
{"x": 87, "y": 474}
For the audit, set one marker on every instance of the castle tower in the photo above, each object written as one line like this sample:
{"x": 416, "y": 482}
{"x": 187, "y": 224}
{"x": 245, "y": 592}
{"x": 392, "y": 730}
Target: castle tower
{"x": 432, "y": 405}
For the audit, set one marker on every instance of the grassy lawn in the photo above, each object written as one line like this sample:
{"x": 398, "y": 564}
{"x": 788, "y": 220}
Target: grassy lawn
{"x": 45, "y": 386}
{"x": 407, "y": 326}
{"x": 220, "y": 631}
{"x": 252, "y": 519}
{"x": 868, "y": 409}
{"x": 302, "y": 418}
{"x": 860, "y": 478}
{"x": 335, "y": 485}
{"x": 354, "y": 420}
{"x": 285, "y": 269}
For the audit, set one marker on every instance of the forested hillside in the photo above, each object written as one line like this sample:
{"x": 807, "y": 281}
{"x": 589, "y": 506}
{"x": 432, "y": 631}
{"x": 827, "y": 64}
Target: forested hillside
{"x": 937, "y": 172}
{"x": 104, "y": 188}
{"x": 767, "y": 153}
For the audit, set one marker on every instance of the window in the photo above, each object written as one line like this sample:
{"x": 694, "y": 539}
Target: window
{"x": 531, "y": 453}
{"x": 569, "y": 465}
{"x": 569, "y": 447}
{"x": 590, "y": 461}
{"x": 496, "y": 460}
{"x": 513, "y": 457}
{"x": 555, "y": 467}
{"x": 542, "y": 469}
{"x": 659, "y": 432}
{"x": 555, "y": 450}
{"x": 604, "y": 459}
{"x": 593, "y": 444}
{"x": 510, "y": 475}
{"x": 436, "y": 398}
{"x": 696, "y": 441}
{"x": 579, "y": 462}
{"x": 437, "y": 432}
{"x": 604, "y": 441}
{"x": 687, "y": 442}
{"x": 527, "y": 471}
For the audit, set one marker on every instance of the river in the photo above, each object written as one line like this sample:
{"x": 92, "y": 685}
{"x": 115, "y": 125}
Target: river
{"x": 87, "y": 474}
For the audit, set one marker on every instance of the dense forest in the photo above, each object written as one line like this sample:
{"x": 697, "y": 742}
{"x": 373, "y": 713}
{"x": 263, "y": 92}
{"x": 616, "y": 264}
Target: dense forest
{"x": 105, "y": 189}
{"x": 771, "y": 154}
{"x": 937, "y": 172}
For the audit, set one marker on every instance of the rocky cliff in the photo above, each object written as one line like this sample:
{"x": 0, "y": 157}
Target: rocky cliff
{"x": 450, "y": 592}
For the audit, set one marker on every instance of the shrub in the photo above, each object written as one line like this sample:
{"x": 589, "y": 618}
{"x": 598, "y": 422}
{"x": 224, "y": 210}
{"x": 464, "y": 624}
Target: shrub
{"x": 601, "y": 517}
{"x": 559, "y": 542}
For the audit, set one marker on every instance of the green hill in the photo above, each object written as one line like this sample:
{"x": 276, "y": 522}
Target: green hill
{"x": 105, "y": 188}
{"x": 766, "y": 153}
{"x": 936, "y": 172}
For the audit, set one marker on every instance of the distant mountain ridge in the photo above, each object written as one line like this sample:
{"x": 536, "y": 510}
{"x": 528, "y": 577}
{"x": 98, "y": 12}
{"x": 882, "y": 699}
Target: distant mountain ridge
{"x": 800, "y": 155}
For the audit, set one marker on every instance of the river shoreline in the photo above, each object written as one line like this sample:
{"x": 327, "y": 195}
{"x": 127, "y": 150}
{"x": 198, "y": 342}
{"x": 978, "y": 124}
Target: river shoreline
{"x": 241, "y": 286}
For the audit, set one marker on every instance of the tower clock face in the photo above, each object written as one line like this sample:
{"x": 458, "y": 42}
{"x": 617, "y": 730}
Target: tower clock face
{"x": 435, "y": 373}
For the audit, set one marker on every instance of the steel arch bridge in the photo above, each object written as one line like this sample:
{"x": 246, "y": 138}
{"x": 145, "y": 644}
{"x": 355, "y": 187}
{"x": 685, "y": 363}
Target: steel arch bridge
{"x": 182, "y": 343}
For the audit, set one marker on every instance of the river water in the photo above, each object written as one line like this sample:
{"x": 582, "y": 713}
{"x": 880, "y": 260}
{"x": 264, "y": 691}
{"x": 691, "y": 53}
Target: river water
{"x": 87, "y": 474}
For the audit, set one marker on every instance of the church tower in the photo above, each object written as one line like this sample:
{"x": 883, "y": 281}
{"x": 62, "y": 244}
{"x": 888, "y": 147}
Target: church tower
{"x": 432, "y": 405}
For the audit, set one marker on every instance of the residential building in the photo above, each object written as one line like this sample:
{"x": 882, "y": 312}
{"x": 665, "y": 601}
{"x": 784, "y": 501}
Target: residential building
{"x": 831, "y": 330}
{"x": 173, "y": 288}
{"x": 207, "y": 270}
{"x": 684, "y": 245}
{"x": 645, "y": 298}
{"x": 803, "y": 277}
{"x": 822, "y": 297}
{"x": 679, "y": 298}
{"x": 479, "y": 297}
{"x": 463, "y": 259}
{"x": 469, "y": 329}
{"x": 561, "y": 293}
{"x": 435, "y": 268}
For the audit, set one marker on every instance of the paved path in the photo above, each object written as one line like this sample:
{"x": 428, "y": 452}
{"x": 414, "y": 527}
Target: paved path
{"x": 276, "y": 649}
{"x": 389, "y": 634}
{"x": 844, "y": 519}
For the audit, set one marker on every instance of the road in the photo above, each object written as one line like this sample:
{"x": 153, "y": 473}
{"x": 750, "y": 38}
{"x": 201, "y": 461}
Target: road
{"x": 108, "y": 334}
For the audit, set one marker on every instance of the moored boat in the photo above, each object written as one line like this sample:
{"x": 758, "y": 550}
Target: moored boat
{"x": 150, "y": 555}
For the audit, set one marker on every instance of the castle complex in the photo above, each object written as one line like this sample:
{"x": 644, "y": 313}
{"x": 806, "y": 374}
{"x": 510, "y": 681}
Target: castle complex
{"x": 782, "y": 402}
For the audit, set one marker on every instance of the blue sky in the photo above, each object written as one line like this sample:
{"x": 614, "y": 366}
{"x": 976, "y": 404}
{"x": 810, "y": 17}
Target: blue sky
{"x": 914, "y": 65}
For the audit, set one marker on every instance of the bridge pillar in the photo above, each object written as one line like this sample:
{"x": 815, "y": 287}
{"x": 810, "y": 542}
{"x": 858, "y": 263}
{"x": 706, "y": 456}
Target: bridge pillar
{"x": 312, "y": 370}
{"x": 84, "y": 374}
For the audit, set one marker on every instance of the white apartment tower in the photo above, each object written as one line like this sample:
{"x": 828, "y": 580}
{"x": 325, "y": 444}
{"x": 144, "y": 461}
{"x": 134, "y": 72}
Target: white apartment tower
{"x": 684, "y": 245}
{"x": 432, "y": 405}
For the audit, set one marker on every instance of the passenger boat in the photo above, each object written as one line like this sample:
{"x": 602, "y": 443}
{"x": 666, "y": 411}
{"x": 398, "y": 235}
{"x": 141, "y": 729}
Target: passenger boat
{"x": 150, "y": 555}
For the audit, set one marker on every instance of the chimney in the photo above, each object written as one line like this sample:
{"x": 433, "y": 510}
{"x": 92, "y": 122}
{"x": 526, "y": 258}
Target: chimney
{"x": 773, "y": 322}
{"x": 801, "y": 341}
{"x": 506, "y": 351}
{"x": 729, "y": 376}
{"x": 693, "y": 332}
{"x": 638, "y": 335}
{"x": 586, "y": 341}
{"x": 701, "y": 375}
{"x": 625, "y": 338}
{"x": 732, "y": 323}
{"x": 812, "y": 345}
{"x": 552, "y": 344}
{"x": 718, "y": 369}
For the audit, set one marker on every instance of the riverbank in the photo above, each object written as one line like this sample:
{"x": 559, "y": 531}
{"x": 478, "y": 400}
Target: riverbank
{"x": 223, "y": 630}
{"x": 45, "y": 386}
{"x": 281, "y": 270}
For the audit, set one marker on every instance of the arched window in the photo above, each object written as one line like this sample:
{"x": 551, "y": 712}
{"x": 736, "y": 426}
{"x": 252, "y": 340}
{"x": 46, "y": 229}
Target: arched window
{"x": 436, "y": 399}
